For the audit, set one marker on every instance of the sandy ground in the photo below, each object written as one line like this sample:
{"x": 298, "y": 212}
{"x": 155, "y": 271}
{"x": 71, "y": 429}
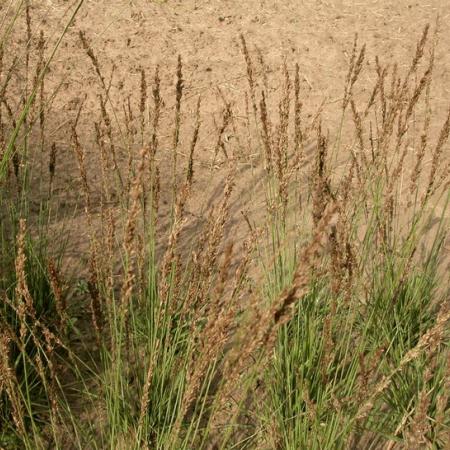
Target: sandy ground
{"x": 316, "y": 34}
{"x": 132, "y": 35}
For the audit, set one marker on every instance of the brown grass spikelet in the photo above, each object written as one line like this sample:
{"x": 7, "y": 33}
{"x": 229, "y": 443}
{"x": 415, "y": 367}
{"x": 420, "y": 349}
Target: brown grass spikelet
{"x": 28, "y": 44}
{"x": 112, "y": 147}
{"x": 351, "y": 65}
{"x": 217, "y": 223}
{"x": 178, "y": 96}
{"x": 7, "y": 79}
{"x": 360, "y": 157}
{"x": 220, "y": 142}
{"x": 222, "y": 279}
{"x": 355, "y": 67}
{"x": 80, "y": 155}
{"x": 15, "y": 158}
{"x": 52, "y": 375}
{"x": 130, "y": 128}
{"x": 424, "y": 137}
{"x": 169, "y": 258}
{"x": 146, "y": 389}
{"x": 60, "y": 301}
{"x": 157, "y": 105}
{"x": 367, "y": 373}
{"x": 248, "y": 129}
{"x": 394, "y": 91}
{"x": 248, "y": 247}
{"x": 105, "y": 164}
{"x": 264, "y": 68}
{"x": 90, "y": 52}
{"x": 190, "y": 169}
{"x": 143, "y": 103}
{"x": 110, "y": 236}
{"x": 94, "y": 294}
{"x": 2, "y": 54}
{"x": 2, "y": 125}
{"x": 320, "y": 183}
{"x": 52, "y": 165}
{"x": 379, "y": 85}
{"x": 399, "y": 90}
{"x": 420, "y": 47}
{"x": 436, "y": 158}
{"x": 250, "y": 74}
{"x": 266, "y": 134}
{"x": 420, "y": 88}
{"x": 9, "y": 383}
{"x": 282, "y": 144}
{"x": 177, "y": 121}
{"x": 420, "y": 426}
{"x": 23, "y": 297}
{"x": 442, "y": 404}
{"x": 358, "y": 65}
{"x": 421, "y": 150}
{"x": 156, "y": 191}
{"x": 130, "y": 231}
{"x": 130, "y": 133}
{"x": 336, "y": 258}
{"x": 298, "y": 134}
{"x": 39, "y": 68}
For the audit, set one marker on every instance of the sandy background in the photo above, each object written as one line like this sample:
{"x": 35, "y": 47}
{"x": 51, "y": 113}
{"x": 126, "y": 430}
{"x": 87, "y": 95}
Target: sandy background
{"x": 134, "y": 35}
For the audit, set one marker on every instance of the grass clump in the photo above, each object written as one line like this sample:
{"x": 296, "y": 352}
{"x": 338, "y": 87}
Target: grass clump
{"x": 325, "y": 326}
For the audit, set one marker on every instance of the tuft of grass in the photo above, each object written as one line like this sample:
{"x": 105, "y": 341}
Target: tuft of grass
{"x": 325, "y": 327}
